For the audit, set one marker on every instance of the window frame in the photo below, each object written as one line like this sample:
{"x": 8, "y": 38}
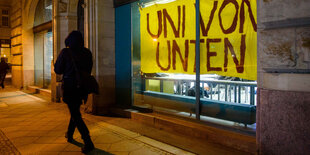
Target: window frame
{"x": 5, "y": 15}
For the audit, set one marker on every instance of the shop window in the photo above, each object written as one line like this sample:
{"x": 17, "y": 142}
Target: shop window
{"x": 163, "y": 58}
{"x": 43, "y": 44}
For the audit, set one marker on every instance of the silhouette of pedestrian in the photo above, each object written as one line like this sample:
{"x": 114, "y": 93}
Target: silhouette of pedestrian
{"x": 3, "y": 70}
{"x": 71, "y": 60}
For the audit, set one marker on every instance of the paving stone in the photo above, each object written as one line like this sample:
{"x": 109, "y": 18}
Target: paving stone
{"x": 60, "y": 140}
{"x": 17, "y": 134}
{"x": 6, "y": 146}
{"x": 45, "y": 140}
{"x": 128, "y": 145}
{"x": 72, "y": 148}
{"x": 53, "y": 133}
{"x": 20, "y": 141}
{"x": 71, "y": 153}
{"x": 3, "y": 105}
{"x": 36, "y": 126}
{"x": 109, "y": 138}
{"x": 30, "y": 148}
{"x": 53, "y": 148}
{"x": 120, "y": 130}
{"x": 47, "y": 153}
{"x": 103, "y": 146}
{"x": 120, "y": 153}
{"x": 144, "y": 151}
{"x": 37, "y": 133}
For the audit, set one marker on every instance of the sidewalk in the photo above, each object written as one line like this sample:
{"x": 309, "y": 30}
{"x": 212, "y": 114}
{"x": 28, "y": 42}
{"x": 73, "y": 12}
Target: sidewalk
{"x": 33, "y": 125}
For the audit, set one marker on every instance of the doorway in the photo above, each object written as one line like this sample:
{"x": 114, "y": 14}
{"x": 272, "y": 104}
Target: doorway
{"x": 43, "y": 56}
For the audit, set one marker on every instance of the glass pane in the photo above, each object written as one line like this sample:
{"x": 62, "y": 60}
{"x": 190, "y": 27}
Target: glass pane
{"x": 228, "y": 51}
{"x": 38, "y": 58}
{"x": 228, "y": 62}
{"x": 48, "y": 57}
{"x": 43, "y": 12}
{"x": 6, "y": 53}
{"x": 163, "y": 56}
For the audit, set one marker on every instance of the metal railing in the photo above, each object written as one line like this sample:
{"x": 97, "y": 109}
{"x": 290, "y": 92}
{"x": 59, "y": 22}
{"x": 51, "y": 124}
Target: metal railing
{"x": 222, "y": 90}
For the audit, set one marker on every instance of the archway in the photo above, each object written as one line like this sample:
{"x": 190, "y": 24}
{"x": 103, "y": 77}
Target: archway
{"x": 43, "y": 44}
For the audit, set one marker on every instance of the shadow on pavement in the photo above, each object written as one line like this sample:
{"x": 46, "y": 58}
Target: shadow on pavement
{"x": 96, "y": 151}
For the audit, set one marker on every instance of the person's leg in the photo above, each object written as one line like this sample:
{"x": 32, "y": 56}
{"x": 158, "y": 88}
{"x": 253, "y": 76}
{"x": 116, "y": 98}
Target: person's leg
{"x": 77, "y": 118}
{"x": 2, "y": 77}
{"x": 71, "y": 128}
{"x": 81, "y": 126}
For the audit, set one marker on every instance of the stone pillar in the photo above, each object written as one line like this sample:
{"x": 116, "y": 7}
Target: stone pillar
{"x": 101, "y": 41}
{"x": 64, "y": 21}
{"x": 16, "y": 47}
{"x": 283, "y": 122}
{"x": 28, "y": 14}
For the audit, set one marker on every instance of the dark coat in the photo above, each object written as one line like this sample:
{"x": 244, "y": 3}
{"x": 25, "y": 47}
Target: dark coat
{"x": 4, "y": 67}
{"x": 64, "y": 65}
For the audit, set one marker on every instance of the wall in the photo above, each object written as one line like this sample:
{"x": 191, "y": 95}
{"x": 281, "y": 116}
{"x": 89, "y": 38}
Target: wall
{"x": 16, "y": 43}
{"x": 28, "y": 11}
{"x": 100, "y": 34}
{"x": 22, "y": 19}
{"x": 5, "y": 32}
{"x": 283, "y": 124}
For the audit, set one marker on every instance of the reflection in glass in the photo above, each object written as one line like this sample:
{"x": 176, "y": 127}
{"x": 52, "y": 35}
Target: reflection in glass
{"x": 48, "y": 57}
{"x": 38, "y": 58}
{"x": 159, "y": 91}
{"x": 43, "y": 45}
{"x": 43, "y": 12}
{"x": 222, "y": 97}
{"x": 43, "y": 55}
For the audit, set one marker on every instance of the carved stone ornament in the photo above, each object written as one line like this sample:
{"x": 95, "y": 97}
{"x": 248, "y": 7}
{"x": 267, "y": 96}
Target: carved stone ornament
{"x": 62, "y": 7}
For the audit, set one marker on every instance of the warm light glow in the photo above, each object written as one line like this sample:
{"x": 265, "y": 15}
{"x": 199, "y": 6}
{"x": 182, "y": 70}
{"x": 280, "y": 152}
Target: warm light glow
{"x": 4, "y": 55}
{"x": 155, "y": 39}
{"x": 157, "y": 2}
{"x": 50, "y": 7}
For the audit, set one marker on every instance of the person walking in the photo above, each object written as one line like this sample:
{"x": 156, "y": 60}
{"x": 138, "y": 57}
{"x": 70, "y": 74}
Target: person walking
{"x": 71, "y": 60}
{"x": 3, "y": 70}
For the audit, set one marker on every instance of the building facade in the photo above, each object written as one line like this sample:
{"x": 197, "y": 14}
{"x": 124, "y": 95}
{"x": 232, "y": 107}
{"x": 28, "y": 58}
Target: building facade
{"x": 5, "y": 30}
{"x": 272, "y": 108}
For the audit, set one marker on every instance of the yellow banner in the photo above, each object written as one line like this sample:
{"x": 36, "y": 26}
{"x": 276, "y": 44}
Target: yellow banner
{"x": 228, "y": 38}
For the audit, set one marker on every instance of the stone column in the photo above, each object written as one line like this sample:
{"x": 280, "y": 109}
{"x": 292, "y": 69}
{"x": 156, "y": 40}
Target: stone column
{"x": 101, "y": 41}
{"x": 16, "y": 47}
{"x": 28, "y": 14}
{"x": 64, "y": 21}
{"x": 283, "y": 122}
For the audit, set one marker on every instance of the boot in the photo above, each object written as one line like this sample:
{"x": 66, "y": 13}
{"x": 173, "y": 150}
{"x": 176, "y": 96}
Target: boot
{"x": 88, "y": 145}
{"x": 69, "y": 137}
